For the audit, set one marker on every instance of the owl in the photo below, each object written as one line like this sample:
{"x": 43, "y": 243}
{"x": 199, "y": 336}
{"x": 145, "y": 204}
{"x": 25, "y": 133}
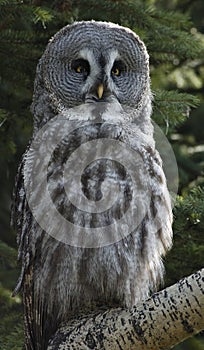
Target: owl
{"x": 92, "y": 209}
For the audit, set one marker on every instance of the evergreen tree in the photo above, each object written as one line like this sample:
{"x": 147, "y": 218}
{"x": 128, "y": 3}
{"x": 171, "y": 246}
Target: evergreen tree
{"x": 177, "y": 70}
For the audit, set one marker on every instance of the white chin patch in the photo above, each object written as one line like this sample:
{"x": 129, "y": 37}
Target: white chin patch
{"x": 98, "y": 111}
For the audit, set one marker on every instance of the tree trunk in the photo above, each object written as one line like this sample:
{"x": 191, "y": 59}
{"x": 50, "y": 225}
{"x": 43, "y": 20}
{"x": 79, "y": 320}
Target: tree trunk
{"x": 159, "y": 323}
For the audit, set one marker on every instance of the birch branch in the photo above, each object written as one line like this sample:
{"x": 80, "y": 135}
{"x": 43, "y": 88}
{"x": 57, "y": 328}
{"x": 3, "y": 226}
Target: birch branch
{"x": 164, "y": 320}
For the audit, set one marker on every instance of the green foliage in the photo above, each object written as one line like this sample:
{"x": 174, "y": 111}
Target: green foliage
{"x": 195, "y": 343}
{"x": 11, "y": 321}
{"x": 171, "y": 108}
{"x": 42, "y": 15}
{"x": 188, "y": 236}
{"x": 7, "y": 255}
{"x": 177, "y": 72}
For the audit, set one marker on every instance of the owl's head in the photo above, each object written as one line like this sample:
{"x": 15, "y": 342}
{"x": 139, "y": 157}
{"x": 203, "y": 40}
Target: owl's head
{"x": 90, "y": 61}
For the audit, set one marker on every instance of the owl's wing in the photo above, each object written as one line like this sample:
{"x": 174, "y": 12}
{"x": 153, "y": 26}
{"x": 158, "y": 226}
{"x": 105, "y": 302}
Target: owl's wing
{"x": 21, "y": 220}
{"x": 159, "y": 214}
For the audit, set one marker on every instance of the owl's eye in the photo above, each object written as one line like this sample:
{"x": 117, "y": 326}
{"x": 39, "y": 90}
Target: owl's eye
{"x": 117, "y": 68}
{"x": 81, "y": 66}
{"x": 79, "y": 69}
{"x": 115, "y": 71}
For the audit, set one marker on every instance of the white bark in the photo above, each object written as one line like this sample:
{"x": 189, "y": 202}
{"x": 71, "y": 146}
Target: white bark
{"x": 161, "y": 322}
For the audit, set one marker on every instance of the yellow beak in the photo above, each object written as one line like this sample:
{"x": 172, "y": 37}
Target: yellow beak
{"x": 100, "y": 90}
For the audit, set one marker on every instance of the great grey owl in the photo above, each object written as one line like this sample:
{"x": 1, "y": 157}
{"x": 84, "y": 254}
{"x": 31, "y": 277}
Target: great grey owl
{"x": 92, "y": 88}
